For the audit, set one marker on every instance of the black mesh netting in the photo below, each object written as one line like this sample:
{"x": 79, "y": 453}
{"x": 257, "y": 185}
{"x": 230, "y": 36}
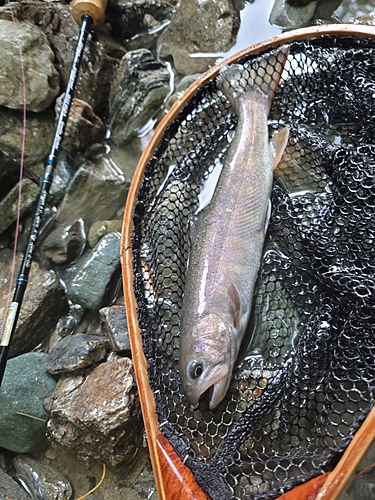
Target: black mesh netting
{"x": 305, "y": 380}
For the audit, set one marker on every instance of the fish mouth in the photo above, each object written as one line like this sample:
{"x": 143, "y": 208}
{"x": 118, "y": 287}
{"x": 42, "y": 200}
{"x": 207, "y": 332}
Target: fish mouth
{"x": 216, "y": 383}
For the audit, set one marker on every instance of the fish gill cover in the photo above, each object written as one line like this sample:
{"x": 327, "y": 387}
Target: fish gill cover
{"x": 305, "y": 379}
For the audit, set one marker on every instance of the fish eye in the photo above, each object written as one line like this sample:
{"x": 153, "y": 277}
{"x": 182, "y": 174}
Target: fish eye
{"x": 195, "y": 369}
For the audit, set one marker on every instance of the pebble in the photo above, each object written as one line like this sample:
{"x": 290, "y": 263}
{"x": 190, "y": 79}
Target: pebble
{"x": 114, "y": 325}
{"x": 9, "y": 205}
{"x": 10, "y": 490}
{"x": 65, "y": 243}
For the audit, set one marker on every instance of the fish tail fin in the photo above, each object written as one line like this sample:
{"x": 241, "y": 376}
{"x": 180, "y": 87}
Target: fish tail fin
{"x": 262, "y": 74}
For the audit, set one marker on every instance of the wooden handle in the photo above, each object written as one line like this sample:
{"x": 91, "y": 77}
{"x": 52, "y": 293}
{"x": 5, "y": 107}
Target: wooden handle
{"x": 93, "y": 8}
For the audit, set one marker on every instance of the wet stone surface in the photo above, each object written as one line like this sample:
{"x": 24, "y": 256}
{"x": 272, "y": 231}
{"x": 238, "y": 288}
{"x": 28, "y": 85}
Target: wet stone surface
{"x": 113, "y": 322}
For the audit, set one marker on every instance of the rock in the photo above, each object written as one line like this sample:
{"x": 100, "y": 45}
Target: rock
{"x": 43, "y": 481}
{"x": 140, "y": 87}
{"x": 10, "y": 490}
{"x": 76, "y": 352}
{"x": 43, "y": 304}
{"x": 9, "y": 205}
{"x": 214, "y": 29}
{"x": 101, "y": 228}
{"x": 66, "y": 243}
{"x": 97, "y": 415}
{"x": 291, "y": 17}
{"x": 90, "y": 285}
{"x": 62, "y": 175}
{"x": 38, "y": 140}
{"x": 26, "y": 59}
{"x": 83, "y": 127}
{"x": 114, "y": 325}
{"x": 180, "y": 88}
{"x": 95, "y": 193}
{"x": 67, "y": 324}
{"x": 25, "y": 386}
{"x": 100, "y": 58}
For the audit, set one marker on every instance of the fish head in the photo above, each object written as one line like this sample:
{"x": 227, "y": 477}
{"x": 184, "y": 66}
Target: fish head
{"x": 207, "y": 360}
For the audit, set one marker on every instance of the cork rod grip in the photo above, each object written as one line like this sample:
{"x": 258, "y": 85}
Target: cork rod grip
{"x": 93, "y": 8}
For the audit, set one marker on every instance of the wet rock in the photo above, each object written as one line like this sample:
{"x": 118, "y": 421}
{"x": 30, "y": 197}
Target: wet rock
{"x": 214, "y": 29}
{"x": 43, "y": 481}
{"x": 76, "y": 352}
{"x": 67, "y": 324}
{"x": 83, "y": 127}
{"x": 140, "y": 87}
{"x": 183, "y": 85}
{"x": 291, "y": 17}
{"x": 38, "y": 139}
{"x": 97, "y": 415}
{"x": 10, "y": 490}
{"x": 66, "y": 243}
{"x": 9, "y": 205}
{"x": 43, "y": 304}
{"x": 100, "y": 57}
{"x": 114, "y": 325}
{"x": 34, "y": 68}
{"x": 95, "y": 193}
{"x": 101, "y": 228}
{"x": 129, "y": 17}
{"x": 25, "y": 386}
{"x": 90, "y": 285}
{"x": 62, "y": 175}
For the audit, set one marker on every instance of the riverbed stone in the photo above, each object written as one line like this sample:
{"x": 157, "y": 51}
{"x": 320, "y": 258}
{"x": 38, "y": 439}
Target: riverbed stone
{"x": 101, "y": 228}
{"x": 114, "y": 325}
{"x": 91, "y": 283}
{"x": 43, "y": 304}
{"x": 38, "y": 135}
{"x": 26, "y": 71}
{"x": 214, "y": 29}
{"x": 97, "y": 415}
{"x": 96, "y": 191}
{"x": 9, "y": 205}
{"x": 65, "y": 243}
{"x": 76, "y": 352}
{"x": 83, "y": 127}
{"x": 42, "y": 480}
{"x": 62, "y": 175}
{"x": 25, "y": 386}
{"x": 140, "y": 86}
{"x": 9, "y": 489}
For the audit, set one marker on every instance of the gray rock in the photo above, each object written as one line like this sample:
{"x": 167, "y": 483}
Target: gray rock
{"x": 25, "y": 386}
{"x": 114, "y": 325}
{"x": 66, "y": 243}
{"x": 83, "y": 420}
{"x": 76, "y": 352}
{"x": 35, "y": 69}
{"x": 95, "y": 193}
{"x": 130, "y": 18}
{"x": 10, "y": 490}
{"x": 100, "y": 57}
{"x": 38, "y": 139}
{"x": 83, "y": 127}
{"x": 43, "y": 481}
{"x": 289, "y": 16}
{"x": 140, "y": 87}
{"x": 214, "y": 29}
{"x": 67, "y": 324}
{"x": 9, "y": 205}
{"x": 43, "y": 304}
{"x": 101, "y": 228}
{"x": 90, "y": 285}
{"x": 62, "y": 175}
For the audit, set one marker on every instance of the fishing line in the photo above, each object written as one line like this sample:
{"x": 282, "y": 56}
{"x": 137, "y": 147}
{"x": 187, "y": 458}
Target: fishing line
{"x": 22, "y": 157}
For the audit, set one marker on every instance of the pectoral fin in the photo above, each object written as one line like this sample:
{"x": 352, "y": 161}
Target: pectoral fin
{"x": 278, "y": 144}
{"x": 236, "y": 303}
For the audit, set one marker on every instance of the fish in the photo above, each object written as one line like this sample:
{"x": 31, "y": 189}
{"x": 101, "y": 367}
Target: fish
{"x": 226, "y": 250}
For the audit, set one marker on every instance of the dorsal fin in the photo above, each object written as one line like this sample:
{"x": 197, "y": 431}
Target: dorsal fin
{"x": 236, "y": 303}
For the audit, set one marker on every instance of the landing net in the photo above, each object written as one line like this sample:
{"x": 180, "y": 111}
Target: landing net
{"x": 305, "y": 379}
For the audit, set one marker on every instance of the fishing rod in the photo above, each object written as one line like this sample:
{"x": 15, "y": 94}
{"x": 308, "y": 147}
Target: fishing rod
{"x": 88, "y": 14}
